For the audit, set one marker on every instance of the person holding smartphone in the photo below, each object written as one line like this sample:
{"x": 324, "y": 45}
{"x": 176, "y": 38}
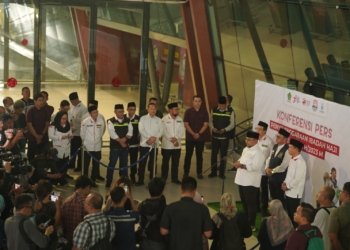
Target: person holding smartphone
{"x": 48, "y": 212}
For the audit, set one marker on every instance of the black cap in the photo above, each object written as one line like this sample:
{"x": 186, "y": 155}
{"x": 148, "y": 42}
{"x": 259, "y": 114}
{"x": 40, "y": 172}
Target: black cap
{"x": 253, "y": 134}
{"x": 119, "y": 106}
{"x": 73, "y": 96}
{"x": 131, "y": 104}
{"x": 93, "y": 102}
{"x": 284, "y": 132}
{"x": 92, "y": 108}
{"x": 172, "y": 105}
{"x": 222, "y": 100}
{"x": 296, "y": 143}
{"x": 263, "y": 124}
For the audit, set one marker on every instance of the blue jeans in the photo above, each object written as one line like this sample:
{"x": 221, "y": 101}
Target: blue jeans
{"x": 114, "y": 155}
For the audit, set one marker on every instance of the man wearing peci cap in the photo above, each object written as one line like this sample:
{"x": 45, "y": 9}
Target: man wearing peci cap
{"x": 222, "y": 121}
{"x": 173, "y": 131}
{"x": 120, "y": 131}
{"x": 77, "y": 113}
{"x": 248, "y": 176}
{"x": 92, "y": 130}
{"x": 277, "y": 164}
{"x": 134, "y": 141}
{"x": 265, "y": 144}
{"x": 293, "y": 185}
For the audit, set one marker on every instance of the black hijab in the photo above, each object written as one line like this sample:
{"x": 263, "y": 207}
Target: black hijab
{"x": 57, "y": 122}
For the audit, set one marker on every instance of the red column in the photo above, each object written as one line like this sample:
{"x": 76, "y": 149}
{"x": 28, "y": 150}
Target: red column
{"x": 200, "y": 51}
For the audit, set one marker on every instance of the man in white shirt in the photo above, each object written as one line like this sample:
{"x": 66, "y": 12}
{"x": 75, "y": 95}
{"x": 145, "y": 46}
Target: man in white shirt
{"x": 76, "y": 114}
{"x": 248, "y": 176}
{"x": 173, "y": 131}
{"x": 293, "y": 185}
{"x": 325, "y": 202}
{"x": 265, "y": 144}
{"x": 277, "y": 164}
{"x": 92, "y": 130}
{"x": 150, "y": 129}
{"x": 120, "y": 131}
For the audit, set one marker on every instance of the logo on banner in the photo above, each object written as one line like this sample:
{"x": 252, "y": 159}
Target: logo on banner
{"x": 304, "y": 102}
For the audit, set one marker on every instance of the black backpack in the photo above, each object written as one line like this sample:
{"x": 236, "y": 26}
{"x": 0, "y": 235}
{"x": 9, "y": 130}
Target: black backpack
{"x": 229, "y": 236}
{"x": 104, "y": 243}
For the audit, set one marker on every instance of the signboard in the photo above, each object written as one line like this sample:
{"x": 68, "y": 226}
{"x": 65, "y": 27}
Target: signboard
{"x": 322, "y": 126}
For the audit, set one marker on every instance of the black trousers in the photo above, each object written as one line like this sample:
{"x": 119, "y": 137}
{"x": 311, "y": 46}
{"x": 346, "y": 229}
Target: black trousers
{"x": 174, "y": 155}
{"x": 142, "y": 164}
{"x": 248, "y": 196}
{"x": 95, "y": 172}
{"x": 217, "y": 146}
{"x": 133, "y": 154}
{"x": 36, "y": 149}
{"x": 264, "y": 193}
{"x": 190, "y": 146}
{"x": 291, "y": 206}
{"x": 75, "y": 144}
{"x": 276, "y": 191}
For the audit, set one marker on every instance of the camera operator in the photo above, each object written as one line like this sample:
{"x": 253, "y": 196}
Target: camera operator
{"x": 13, "y": 136}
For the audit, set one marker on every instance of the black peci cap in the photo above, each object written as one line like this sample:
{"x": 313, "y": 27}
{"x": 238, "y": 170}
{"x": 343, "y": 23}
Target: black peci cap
{"x": 132, "y": 104}
{"x": 263, "y": 124}
{"x": 222, "y": 100}
{"x": 284, "y": 132}
{"x": 119, "y": 106}
{"x": 92, "y": 108}
{"x": 73, "y": 96}
{"x": 253, "y": 134}
{"x": 172, "y": 105}
{"x": 296, "y": 143}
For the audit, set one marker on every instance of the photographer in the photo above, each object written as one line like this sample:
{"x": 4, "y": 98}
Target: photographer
{"x": 13, "y": 136}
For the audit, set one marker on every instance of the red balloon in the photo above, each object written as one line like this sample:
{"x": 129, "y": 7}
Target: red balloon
{"x": 11, "y": 82}
{"x": 116, "y": 81}
{"x": 24, "y": 42}
{"x": 283, "y": 43}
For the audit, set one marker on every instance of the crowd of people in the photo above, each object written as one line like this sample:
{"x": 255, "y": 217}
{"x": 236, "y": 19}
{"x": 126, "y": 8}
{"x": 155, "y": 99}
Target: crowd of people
{"x": 270, "y": 176}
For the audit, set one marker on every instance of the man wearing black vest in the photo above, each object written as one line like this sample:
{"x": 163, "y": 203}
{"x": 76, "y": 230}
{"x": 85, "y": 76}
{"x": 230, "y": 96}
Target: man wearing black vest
{"x": 222, "y": 121}
{"x": 120, "y": 131}
{"x": 134, "y": 141}
{"x": 277, "y": 164}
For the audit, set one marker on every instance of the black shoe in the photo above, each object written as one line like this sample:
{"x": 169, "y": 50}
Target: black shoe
{"x": 77, "y": 170}
{"x": 100, "y": 178}
{"x": 212, "y": 175}
{"x": 133, "y": 180}
{"x": 139, "y": 183}
{"x": 200, "y": 176}
{"x": 176, "y": 182}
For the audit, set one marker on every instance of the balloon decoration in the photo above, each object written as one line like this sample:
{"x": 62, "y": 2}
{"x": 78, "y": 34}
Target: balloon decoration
{"x": 11, "y": 82}
{"x": 116, "y": 81}
{"x": 283, "y": 43}
{"x": 24, "y": 42}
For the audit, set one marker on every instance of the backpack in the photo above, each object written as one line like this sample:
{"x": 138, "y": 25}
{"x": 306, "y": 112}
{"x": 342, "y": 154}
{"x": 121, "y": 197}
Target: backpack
{"x": 315, "y": 242}
{"x": 229, "y": 236}
{"x": 31, "y": 244}
{"x": 104, "y": 243}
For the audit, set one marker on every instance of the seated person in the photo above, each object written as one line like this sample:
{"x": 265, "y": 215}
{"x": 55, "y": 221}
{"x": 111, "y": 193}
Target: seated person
{"x": 275, "y": 229}
{"x": 228, "y": 219}
{"x": 124, "y": 220}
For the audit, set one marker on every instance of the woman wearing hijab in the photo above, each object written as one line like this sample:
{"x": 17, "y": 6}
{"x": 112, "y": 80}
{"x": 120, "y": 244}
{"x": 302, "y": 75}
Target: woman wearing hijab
{"x": 275, "y": 229}
{"x": 229, "y": 222}
{"x": 60, "y": 133}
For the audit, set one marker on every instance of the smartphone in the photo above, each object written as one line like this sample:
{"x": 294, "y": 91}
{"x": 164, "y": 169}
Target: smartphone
{"x": 17, "y": 186}
{"x": 126, "y": 189}
{"x": 46, "y": 223}
{"x": 54, "y": 196}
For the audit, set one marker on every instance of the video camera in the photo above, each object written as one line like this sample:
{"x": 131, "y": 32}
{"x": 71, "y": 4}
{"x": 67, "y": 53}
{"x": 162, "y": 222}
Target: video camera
{"x": 20, "y": 165}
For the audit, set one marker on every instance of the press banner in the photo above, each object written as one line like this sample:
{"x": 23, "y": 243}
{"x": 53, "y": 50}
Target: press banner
{"x": 323, "y": 127}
